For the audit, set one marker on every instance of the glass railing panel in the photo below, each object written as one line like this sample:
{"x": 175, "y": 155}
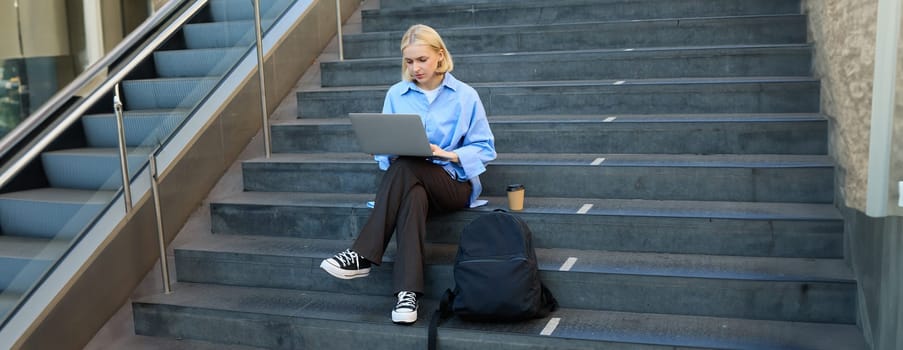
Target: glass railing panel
{"x": 45, "y": 44}
{"x": 44, "y": 212}
{"x": 42, "y": 48}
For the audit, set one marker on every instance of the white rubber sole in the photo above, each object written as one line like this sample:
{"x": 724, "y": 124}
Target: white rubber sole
{"x": 404, "y": 317}
{"x": 337, "y": 272}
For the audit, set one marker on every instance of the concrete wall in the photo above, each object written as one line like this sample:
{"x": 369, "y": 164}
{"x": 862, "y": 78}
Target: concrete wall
{"x": 843, "y": 33}
{"x": 876, "y": 245}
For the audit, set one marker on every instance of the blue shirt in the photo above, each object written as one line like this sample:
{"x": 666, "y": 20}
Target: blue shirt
{"x": 455, "y": 121}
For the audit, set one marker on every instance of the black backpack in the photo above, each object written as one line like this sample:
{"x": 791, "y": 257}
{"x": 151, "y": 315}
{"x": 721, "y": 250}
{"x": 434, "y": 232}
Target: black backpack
{"x": 496, "y": 275}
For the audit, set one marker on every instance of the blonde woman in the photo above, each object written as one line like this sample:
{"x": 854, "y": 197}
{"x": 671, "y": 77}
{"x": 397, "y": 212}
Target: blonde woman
{"x": 412, "y": 187}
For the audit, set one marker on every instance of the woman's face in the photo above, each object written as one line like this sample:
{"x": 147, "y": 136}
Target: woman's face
{"x": 422, "y": 61}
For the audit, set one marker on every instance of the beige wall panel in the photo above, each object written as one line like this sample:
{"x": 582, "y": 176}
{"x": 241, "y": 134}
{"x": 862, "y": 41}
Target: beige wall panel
{"x": 200, "y": 166}
{"x": 9, "y": 31}
{"x": 241, "y": 119}
{"x": 44, "y": 28}
{"x": 843, "y": 32}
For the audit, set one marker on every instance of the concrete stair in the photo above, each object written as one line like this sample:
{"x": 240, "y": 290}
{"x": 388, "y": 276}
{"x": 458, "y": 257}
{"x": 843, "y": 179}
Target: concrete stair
{"x": 647, "y": 96}
{"x": 286, "y": 319}
{"x": 678, "y": 188}
{"x": 716, "y": 61}
{"x": 674, "y": 134}
{"x": 498, "y": 13}
{"x": 623, "y": 34}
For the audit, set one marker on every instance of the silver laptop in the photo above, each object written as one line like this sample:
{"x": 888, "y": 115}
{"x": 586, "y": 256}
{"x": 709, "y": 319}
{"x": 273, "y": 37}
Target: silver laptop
{"x": 396, "y": 134}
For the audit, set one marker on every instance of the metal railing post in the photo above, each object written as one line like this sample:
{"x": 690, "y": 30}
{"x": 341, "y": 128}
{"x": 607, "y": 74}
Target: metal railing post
{"x": 338, "y": 21}
{"x": 155, "y": 189}
{"x": 123, "y": 153}
{"x": 260, "y": 76}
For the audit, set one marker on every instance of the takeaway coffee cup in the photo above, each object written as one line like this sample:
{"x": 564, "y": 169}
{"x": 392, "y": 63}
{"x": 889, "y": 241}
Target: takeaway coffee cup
{"x": 516, "y": 197}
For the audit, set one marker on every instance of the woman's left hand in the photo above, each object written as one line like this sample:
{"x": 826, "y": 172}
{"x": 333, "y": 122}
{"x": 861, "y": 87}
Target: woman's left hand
{"x": 441, "y": 153}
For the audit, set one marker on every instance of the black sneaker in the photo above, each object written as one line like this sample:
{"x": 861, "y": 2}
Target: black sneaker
{"x": 405, "y": 310}
{"x": 346, "y": 265}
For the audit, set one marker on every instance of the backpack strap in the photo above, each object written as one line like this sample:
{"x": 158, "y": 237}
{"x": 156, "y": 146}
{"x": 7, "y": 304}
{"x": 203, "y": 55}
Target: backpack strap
{"x": 442, "y": 313}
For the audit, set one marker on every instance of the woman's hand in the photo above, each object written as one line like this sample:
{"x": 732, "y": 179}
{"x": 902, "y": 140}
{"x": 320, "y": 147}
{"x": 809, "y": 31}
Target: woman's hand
{"x": 441, "y": 153}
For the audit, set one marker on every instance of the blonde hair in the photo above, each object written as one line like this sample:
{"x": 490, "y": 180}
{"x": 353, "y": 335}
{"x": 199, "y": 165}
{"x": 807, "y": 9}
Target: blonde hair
{"x": 420, "y": 34}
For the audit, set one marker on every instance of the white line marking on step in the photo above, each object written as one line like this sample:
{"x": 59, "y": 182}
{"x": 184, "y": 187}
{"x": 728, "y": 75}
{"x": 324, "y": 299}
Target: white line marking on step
{"x": 609, "y": 119}
{"x": 550, "y": 327}
{"x": 585, "y": 208}
{"x": 568, "y": 264}
{"x": 597, "y": 161}
{"x": 619, "y": 82}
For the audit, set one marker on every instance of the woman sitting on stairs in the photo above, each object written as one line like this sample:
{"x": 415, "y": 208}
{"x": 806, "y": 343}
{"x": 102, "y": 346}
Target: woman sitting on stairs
{"x": 462, "y": 144}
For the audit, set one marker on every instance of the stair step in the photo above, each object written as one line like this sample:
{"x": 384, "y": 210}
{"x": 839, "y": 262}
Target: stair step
{"x": 651, "y": 96}
{"x": 704, "y": 285}
{"x": 407, "y": 4}
{"x": 17, "y": 276}
{"x": 741, "y": 61}
{"x": 31, "y": 248}
{"x": 749, "y": 178}
{"x": 197, "y": 62}
{"x": 221, "y": 34}
{"x": 166, "y": 93}
{"x": 142, "y": 128}
{"x": 237, "y": 10}
{"x": 140, "y": 342}
{"x": 23, "y": 260}
{"x": 739, "y": 228}
{"x": 50, "y": 212}
{"x": 672, "y": 134}
{"x": 629, "y": 34}
{"x": 275, "y": 318}
{"x": 90, "y": 168}
{"x": 8, "y": 300}
{"x": 286, "y": 250}
{"x": 473, "y": 14}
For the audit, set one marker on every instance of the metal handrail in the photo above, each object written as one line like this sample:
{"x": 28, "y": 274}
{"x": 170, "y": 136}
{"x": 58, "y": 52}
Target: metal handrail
{"x": 58, "y": 100}
{"x": 10, "y": 170}
{"x": 123, "y": 152}
{"x": 258, "y": 30}
{"x": 338, "y": 20}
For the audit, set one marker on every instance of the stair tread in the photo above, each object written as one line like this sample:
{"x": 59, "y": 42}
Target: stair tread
{"x": 562, "y": 119}
{"x": 140, "y": 342}
{"x": 707, "y": 49}
{"x": 141, "y": 113}
{"x": 100, "y": 151}
{"x": 62, "y": 195}
{"x": 573, "y": 324}
{"x": 172, "y": 79}
{"x": 595, "y": 83}
{"x": 201, "y": 49}
{"x": 18, "y": 247}
{"x": 447, "y": 32}
{"x": 470, "y": 7}
{"x": 552, "y": 259}
{"x": 597, "y": 206}
{"x": 8, "y": 299}
{"x": 589, "y": 159}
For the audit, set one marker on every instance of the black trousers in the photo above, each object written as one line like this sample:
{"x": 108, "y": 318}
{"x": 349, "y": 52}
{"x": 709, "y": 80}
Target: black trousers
{"x": 410, "y": 189}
